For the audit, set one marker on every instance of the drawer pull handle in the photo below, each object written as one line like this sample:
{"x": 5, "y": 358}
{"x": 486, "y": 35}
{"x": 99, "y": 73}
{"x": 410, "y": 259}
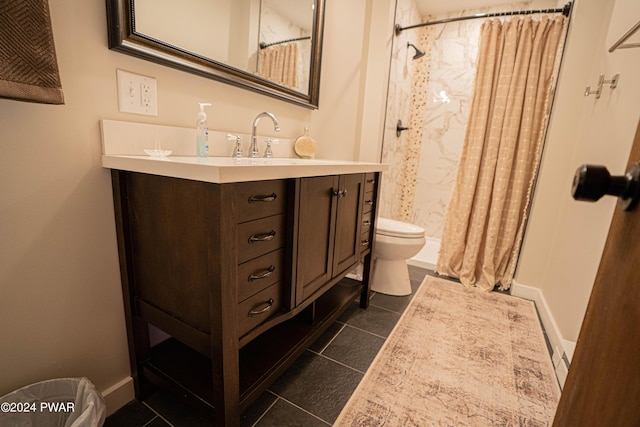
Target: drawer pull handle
{"x": 264, "y": 274}
{"x": 269, "y": 198}
{"x": 368, "y": 202}
{"x": 371, "y": 181}
{"x": 262, "y": 237}
{"x": 340, "y": 193}
{"x": 366, "y": 223}
{"x": 365, "y": 242}
{"x": 268, "y": 306}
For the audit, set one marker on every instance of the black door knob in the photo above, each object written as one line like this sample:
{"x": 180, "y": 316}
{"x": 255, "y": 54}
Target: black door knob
{"x": 591, "y": 182}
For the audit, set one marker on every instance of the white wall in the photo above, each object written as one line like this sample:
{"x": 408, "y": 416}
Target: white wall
{"x": 60, "y": 296}
{"x": 564, "y": 239}
{"x": 211, "y": 17}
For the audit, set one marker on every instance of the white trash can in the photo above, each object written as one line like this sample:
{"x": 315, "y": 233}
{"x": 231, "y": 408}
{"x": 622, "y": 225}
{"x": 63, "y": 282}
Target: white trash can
{"x": 63, "y": 402}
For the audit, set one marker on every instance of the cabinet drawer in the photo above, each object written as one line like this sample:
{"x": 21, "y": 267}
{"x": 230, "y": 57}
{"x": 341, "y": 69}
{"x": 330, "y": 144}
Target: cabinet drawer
{"x": 259, "y": 308}
{"x": 369, "y": 181}
{"x": 258, "y": 237}
{"x": 365, "y": 241}
{"x": 368, "y": 202}
{"x": 366, "y": 222}
{"x": 260, "y": 199}
{"x": 259, "y": 273}
{"x": 367, "y": 230}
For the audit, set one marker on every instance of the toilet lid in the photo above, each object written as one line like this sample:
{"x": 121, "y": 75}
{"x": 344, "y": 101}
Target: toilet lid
{"x": 393, "y": 228}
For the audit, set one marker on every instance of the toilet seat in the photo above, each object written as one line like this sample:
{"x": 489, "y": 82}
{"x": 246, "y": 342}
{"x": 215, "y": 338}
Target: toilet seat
{"x": 393, "y": 228}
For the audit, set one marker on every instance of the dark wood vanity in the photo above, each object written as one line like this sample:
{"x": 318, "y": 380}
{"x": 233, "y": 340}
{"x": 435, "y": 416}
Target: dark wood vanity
{"x": 243, "y": 276}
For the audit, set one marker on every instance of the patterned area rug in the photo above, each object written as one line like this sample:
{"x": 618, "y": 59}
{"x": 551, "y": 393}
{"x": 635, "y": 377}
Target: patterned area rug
{"x": 459, "y": 357}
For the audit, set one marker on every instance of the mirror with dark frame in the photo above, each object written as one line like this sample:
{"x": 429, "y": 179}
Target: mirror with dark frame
{"x": 272, "y": 47}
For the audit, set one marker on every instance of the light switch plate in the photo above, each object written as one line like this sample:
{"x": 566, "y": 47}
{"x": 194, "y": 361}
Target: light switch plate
{"x": 137, "y": 94}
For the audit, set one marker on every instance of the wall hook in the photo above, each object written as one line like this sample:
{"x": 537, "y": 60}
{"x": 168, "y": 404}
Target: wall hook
{"x": 613, "y": 83}
{"x": 598, "y": 90}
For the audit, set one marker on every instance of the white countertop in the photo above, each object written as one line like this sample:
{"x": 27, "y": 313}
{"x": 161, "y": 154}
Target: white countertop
{"x": 226, "y": 169}
{"x": 124, "y": 144}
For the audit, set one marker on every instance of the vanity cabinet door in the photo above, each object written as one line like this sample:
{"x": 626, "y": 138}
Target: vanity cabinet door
{"x": 316, "y": 234}
{"x": 329, "y": 230}
{"x": 348, "y": 222}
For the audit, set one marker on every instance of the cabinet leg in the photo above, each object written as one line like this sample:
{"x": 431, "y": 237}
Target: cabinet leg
{"x": 366, "y": 280}
{"x": 309, "y": 313}
{"x": 139, "y": 345}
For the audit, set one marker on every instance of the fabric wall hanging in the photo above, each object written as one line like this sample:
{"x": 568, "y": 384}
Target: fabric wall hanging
{"x": 28, "y": 65}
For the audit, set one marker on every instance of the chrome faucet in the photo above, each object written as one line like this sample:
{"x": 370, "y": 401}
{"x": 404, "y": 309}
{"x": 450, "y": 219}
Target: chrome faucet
{"x": 253, "y": 150}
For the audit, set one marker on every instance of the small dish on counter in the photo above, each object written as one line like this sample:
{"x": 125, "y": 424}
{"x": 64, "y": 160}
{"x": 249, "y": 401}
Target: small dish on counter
{"x": 157, "y": 152}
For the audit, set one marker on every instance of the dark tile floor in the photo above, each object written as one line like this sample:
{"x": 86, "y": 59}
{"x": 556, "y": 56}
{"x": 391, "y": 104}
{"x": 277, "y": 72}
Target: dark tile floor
{"x": 316, "y": 387}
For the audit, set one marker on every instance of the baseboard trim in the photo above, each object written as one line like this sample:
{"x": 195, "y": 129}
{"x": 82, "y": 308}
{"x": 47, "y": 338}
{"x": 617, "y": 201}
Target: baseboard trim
{"x": 119, "y": 395}
{"x": 562, "y": 349}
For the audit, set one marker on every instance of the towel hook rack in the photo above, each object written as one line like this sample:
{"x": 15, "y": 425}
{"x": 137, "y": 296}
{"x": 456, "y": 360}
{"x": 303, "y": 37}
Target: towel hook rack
{"x": 613, "y": 83}
{"x": 598, "y": 91}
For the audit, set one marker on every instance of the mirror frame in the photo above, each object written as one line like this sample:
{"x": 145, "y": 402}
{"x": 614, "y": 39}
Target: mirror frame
{"x": 123, "y": 38}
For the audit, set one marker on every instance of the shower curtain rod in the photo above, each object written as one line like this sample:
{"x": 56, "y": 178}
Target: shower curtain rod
{"x": 265, "y": 45}
{"x": 564, "y": 10}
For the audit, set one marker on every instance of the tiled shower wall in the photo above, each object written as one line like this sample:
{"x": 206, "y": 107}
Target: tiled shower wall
{"x": 454, "y": 50}
{"x": 438, "y": 88}
{"x": 401, "y": 153}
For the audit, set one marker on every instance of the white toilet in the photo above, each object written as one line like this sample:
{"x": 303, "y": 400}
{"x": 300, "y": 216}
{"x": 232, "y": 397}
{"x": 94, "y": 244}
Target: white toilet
{"x": 396, "y": 242}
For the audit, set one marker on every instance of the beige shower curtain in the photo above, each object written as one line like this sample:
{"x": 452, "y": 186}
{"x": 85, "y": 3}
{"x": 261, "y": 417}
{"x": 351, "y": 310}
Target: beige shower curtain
{"x": 511, "y": 102}
{"x": 279, "y": 63}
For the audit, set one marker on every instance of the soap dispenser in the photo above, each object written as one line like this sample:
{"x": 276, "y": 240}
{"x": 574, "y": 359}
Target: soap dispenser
{"x": 202, "y": 132}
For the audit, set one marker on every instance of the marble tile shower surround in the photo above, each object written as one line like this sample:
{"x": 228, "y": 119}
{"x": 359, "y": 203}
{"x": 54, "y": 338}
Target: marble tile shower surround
{"x": 449, "y": 93}
{"x": 418, "y": 105}
{"x": 434, "y": 93}
{"x": 398, "y": 185}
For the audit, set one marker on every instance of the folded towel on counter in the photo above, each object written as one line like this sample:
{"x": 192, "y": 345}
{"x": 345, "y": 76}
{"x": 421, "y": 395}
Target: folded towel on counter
{"x": 28, "y": 65}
